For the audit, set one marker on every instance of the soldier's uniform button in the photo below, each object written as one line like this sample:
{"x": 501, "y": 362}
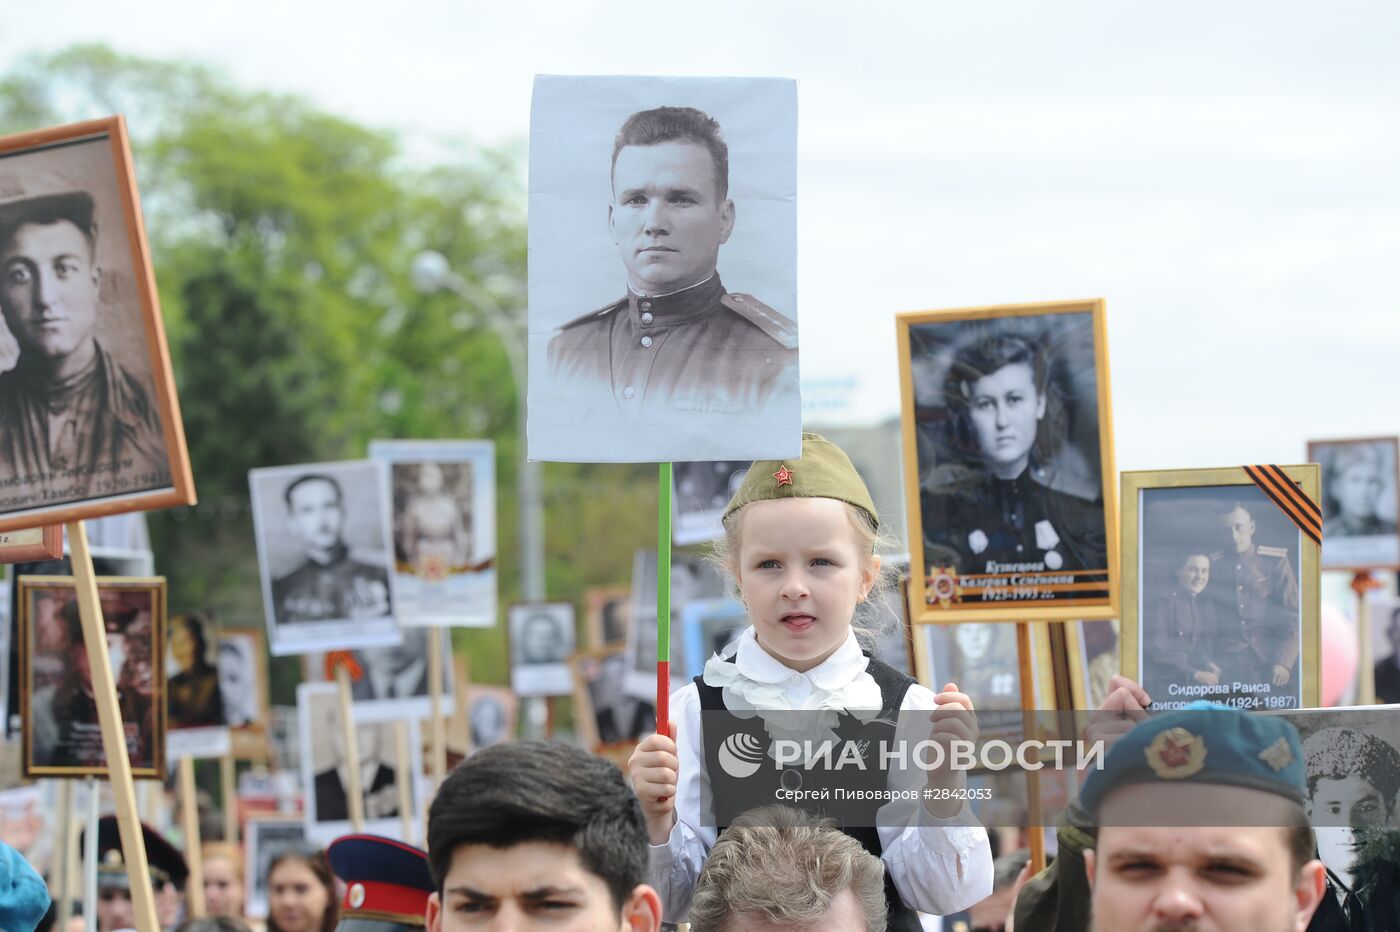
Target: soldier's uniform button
{"x": 647, "y": 318}
{"x": 768, "y": 360}
{"x": 629, "y": 392}
{"x": 646, "y": 341}
{"x": 646, "y": 305}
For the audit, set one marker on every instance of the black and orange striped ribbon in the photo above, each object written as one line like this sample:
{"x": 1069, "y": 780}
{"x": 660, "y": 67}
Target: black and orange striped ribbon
{"x": 1290, "y": 498}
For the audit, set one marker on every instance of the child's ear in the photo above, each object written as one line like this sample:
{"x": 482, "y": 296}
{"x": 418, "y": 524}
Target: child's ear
{"x": 869, "y": 576}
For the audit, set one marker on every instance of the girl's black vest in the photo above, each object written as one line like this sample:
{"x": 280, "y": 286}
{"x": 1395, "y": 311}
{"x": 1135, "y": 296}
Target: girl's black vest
{"x": 733, "y": 796}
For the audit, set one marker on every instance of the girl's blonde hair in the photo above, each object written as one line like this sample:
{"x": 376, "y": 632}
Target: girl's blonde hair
{"x": 873, "y": 617}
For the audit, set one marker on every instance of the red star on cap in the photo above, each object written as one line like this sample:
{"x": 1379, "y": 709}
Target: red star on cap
{"x": 1175, "y": 755}
{"x": 784, "y": 476}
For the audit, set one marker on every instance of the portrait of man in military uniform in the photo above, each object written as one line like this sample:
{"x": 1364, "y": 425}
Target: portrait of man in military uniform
{"x": 322, "y": 533}
{"x": 1360, "y": 506}
{"x": 677, "y": 359}
{"x": 79, "y": 410}
{"x": 1011, "y": 504}
{"x": 1256, "y": 595}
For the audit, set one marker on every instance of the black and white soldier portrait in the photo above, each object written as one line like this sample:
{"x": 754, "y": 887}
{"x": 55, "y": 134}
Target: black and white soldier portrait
{"x": 542, "y": 637}
{"x": 81, "y": 415}
{"x": 1009, "y": 459}
{"x": 324, "y": 550}
{"x": 1385, "y": 646}
{"x": 702, "y": 491}
{"x": 1360, "y": 505}
{"x": 662, "y": 269}
{"x": 265, "y": 837}
{"x": 240, "y": 684}
{"x": 394, "y": 677}
{"x": 1219, "y": 598}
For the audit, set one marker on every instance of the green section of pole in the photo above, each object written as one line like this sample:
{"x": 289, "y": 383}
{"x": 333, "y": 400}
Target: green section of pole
{"x": 663, "y": 566}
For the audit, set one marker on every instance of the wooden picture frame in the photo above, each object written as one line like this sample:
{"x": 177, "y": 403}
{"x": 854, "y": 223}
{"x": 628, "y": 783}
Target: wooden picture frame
{"x": 32, "y": 543}
{"x": 1093, "y": 648}
{"x": 1000, "y": 690}
{"x": 56, "y": 733}
{"x": 597, "y": 601}
{"x": 249, "y": 741}
{"x": 1347, "y": 545}
{"x": 62, "y": 188}
{"x": 589, "y": 668}
{"x": 1056, "y": 557}
{"x": 1190, "y": 516}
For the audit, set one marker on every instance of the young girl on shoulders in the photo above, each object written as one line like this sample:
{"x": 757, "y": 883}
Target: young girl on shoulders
{"x": 800, "y": 541}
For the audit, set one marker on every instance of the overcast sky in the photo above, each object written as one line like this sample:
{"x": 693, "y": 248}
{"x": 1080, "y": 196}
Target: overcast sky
{"x": 1224, "y": 174}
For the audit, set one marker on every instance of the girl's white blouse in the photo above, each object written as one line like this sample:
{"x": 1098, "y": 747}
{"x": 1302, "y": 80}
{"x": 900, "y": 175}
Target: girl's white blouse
{"x": 939, "y": 866}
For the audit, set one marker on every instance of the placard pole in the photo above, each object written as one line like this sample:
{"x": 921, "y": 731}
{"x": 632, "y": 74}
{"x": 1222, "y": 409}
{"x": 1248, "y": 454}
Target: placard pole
{"x": 1035, "y": 830}
{"x": 403, "y": 779}
{"x": 189, "y": 818}
{"x": 436, "y": 722}
{"x": 228, "y": 780}
{"x": 353, "y": 792}
{"x": 663, "y": 600}
{"x": 62, "y": 855}
{"x": 109, "y": 717}
{"x": 1362, "y": 583}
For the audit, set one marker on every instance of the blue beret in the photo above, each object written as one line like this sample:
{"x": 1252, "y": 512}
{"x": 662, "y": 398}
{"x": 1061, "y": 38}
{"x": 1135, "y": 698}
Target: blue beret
{"x": 23, "y": 896}
{"x": 385, "y": 879}
{"x": 1204, "y": 743}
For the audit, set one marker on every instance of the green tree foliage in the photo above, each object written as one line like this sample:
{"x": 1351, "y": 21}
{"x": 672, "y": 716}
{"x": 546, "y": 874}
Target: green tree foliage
{"x": 282, "y": 237}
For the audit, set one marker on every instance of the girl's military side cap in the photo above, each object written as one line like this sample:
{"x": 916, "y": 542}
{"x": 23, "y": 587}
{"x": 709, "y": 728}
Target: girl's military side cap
{"x": 822, "y": 471}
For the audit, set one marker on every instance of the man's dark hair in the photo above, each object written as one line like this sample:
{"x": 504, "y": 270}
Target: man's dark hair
{"x": 75, "y": 207}
{"x": 194, "y": 623}
{"x": 677, "y": 124}
{"x": 313, "y": 477}
{"x": 538, "y": 791}
{"x": 72, "y": 625}
{"x": 1337, "y": 753}
{"x": 984, "y": 357}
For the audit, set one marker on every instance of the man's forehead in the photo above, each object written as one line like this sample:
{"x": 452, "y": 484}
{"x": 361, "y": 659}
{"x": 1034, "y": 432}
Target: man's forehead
{"x": 518, "y": 869}
{"x": 58, "y": 237}
{"x": 684, "y": 159}
{"x": 313, "y": 490}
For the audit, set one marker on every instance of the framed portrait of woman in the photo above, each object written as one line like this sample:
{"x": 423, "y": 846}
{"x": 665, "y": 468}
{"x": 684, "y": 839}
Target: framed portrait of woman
{"x": 1008, "y": 449}
{"x": 1360, "y": 504}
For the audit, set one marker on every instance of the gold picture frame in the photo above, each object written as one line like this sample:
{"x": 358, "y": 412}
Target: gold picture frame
{"x": 1146, "y": 575}
{"x": 78, "y": 180}
{"x": 54, "y": 717}
{"x": 1060, "y": 578}
{"x": 31, "y": 543}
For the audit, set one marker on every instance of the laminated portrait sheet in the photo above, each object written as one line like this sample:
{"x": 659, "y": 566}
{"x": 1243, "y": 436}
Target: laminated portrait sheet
{"x": 542, "y": 636}
{"x": 198, "y": 726}
{"x": 1360, "y": 505}
{"x": 663, "y": 272}
{"x": 394, "y": 682}
{"x": 443, "y": 500}
{"x": 324, "y": 552}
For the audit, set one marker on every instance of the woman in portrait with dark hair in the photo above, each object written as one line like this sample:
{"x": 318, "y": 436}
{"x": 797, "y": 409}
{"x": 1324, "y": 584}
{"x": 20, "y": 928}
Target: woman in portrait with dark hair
{"x": 301, "y": 892}
{"x": 1180, "y": 634}
{"x": 997, "y": 505}
{"x": 195, "y": 699}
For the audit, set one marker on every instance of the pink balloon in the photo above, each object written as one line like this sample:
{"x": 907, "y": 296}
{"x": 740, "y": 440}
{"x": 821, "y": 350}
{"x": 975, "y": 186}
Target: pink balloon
{"x": 1339, "y": 656}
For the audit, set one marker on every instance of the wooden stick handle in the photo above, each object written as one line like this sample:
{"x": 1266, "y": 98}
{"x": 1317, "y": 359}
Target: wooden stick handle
{"x": 1035, "y": 829}
{"x": 1365, "y": 663}
{"x": 436, "y": 722}
{"x": 104, "y": 691}
{"x": 403, "y": 779}
{"x": 228, "y": 781}
{"x": 189, "y": 817}
{"x": 354, "y": 792}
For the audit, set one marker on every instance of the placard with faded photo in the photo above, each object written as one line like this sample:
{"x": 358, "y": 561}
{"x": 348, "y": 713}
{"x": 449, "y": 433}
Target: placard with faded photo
{"x": 1221, "y": 594}
{"x": 542, "y": 637}
{"x": 265, "y": 837}
{"x": 1008, "y": 449}
{"x": 491, "y": 712}
{"x": 607, "y": 614}
{"x": 605, "y": 714}
{"x": 693, "y": 578}
{"x": 324, "y": 552}
{"x": 89, "y": 421}
{"x": 325, "y": 768}
{"x": 61, "y": 735}
{"x": 1360, "y": 505}
{"x": 243, "y": 684}
{"x": 701, "y": 492}
{"x": 194, "y": 691}
{"x": 708, "y": 628}
{"x": 663, "y": 257}
{"x": 394, "y": 678}
{"x": 443, "y": 499}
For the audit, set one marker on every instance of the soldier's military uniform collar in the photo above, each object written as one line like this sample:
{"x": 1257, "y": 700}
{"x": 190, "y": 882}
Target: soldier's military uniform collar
{"x": 678, "y": 307}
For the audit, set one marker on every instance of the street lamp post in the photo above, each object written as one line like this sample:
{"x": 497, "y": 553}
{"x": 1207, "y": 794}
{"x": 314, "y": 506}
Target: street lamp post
{"x": 431, "y": 272}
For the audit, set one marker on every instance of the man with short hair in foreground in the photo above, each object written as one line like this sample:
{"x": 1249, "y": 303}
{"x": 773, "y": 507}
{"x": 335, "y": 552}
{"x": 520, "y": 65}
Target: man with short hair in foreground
{"x": 1201, "y": 826}
{"x": 538, "y": 835}
{"x": 779, "y": 868}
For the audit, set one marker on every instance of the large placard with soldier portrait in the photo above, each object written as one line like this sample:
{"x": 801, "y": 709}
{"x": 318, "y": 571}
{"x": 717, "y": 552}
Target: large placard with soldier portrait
{"x": 324, "y": 552}
{"x": 1360, "y": 502}
{"x": 89, "y": 421}
{"x": 1008, "y": 449}
{"x": 1220, "y": 595}
{"x": 663, "y": 269}
{"x": 61, "y": 733}
{"x": 443, "y": 497}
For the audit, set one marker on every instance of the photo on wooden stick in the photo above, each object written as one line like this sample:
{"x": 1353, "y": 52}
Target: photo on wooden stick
{"x": 194, "y": 690}
{"x": 243, "y": 685}
{"x": 984, "y": 660}
{"x": 491, "y": 716}
{"x": 61, "y": 736}
{"x": 1360, "y": 502}
{"x": 662, "y": 320}
{"x": 394, "y": 681}
{"x": 693, "y": 577}
{"x": 442, "y": 495}
{"x": 34, "y": 543}
{"x": 607, "y": 615}
{"x": 325, "y": 768}
{"x": 89, "y": 421}
{"x": 1093, "y": 660}
{"x": 1220, "y": 593}
{"x": 603, "y": 712}
{"x": 1008, "y": 462}
{"x": 265, "y": 837}
{"x": 324, "y": 552}
{"x": 542, "y": 636}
